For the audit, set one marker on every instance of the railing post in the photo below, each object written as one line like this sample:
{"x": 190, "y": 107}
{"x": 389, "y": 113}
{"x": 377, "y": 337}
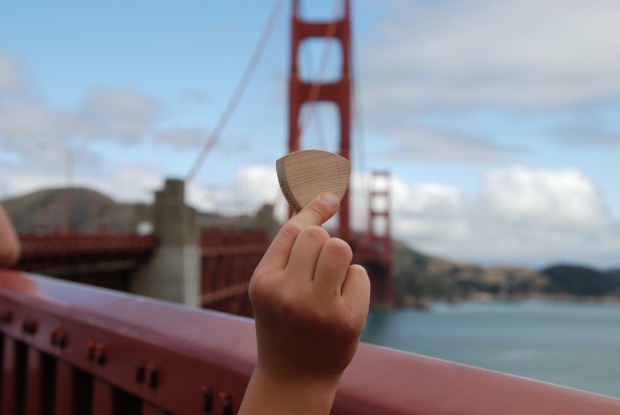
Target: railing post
{"x": 34, "y": 382}
{"x": 63, "y": 402}
{"x": 148, "y": 409}
{"x": 13, "y": 367}
{"x": 73, "y": 391}
{"x": 103, "y": 398}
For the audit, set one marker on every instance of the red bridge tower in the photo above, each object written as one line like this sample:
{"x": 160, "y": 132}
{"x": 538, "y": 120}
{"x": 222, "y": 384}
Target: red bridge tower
{"x": 373, "y": 249}
{"x": 338, "y": 92}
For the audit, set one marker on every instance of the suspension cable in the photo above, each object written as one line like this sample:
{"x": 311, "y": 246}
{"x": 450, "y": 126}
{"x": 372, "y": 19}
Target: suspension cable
{"x": 234, "y": 100}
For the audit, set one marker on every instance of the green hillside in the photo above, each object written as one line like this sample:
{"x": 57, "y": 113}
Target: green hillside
{"x": 79, "y": 210}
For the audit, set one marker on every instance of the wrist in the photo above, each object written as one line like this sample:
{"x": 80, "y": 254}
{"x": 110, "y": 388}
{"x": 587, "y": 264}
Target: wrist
{"x": 300, "y": 395}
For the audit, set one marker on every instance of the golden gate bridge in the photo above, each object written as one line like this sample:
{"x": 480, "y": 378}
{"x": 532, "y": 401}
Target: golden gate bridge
{"x": 76, "y": 349}
{"x": 228, "y": 258}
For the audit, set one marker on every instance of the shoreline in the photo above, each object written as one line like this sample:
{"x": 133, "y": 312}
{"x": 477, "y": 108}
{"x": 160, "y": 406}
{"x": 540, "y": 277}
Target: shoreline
{"x": 589, "y": 299}
{"x": 426, "y": 304}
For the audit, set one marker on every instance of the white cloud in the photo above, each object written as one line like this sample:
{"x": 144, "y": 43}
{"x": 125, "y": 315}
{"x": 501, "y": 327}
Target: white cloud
{"x": 434, "y": 63}
{"x": 595, "y": 134}
{"x": 27, "y": 122}
{"x": 117, "y": 114}
{"x": 36, "y": 132}
{"x": 528, "y": 53}
{"x": 131, "y": 182}
{"x": 183, "y": 137}
{"x": 543, "y": 200}
{"x": 113, "y": 114}
{"x": 11, "y": 81}
{"x": 431, "y": 145}
{"x": 520, "y": 216}
{"x": 251, "y": 187}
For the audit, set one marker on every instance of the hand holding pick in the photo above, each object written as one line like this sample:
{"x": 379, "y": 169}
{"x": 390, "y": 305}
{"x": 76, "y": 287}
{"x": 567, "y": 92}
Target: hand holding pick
{"x": 310, "y": 306}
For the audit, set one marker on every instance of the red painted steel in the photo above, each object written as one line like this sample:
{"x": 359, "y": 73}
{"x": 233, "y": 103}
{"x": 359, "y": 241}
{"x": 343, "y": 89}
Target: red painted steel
{"x": 148, "y": 409}
{"x": 12, "y": 393}
{"x": 228, "y": 261}
{"x": 111, "y": 335}
{"x": 102, "y": 260}
{"x": 338, "y": 92}
{"x": 374, "y": 249}
{"x": 34, "y": 246}
{"x": 164, "y": 358}
{"x": 34, "y": 383}
{"x": 103, "y": 398}
{"x": 63, "y": 388}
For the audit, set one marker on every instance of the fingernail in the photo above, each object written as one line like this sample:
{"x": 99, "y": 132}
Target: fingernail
{"x": 330, "y": 200}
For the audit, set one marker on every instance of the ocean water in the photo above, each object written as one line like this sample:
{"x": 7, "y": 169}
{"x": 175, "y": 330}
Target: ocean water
{"x": 570, "y": 344}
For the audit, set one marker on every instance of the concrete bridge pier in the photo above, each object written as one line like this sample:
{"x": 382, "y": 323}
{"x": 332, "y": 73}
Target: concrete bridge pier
{"x": 173, "y": 272}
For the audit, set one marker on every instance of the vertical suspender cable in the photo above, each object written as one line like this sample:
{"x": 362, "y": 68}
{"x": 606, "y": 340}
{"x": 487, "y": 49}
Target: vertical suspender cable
{"x": 232, "y": 104}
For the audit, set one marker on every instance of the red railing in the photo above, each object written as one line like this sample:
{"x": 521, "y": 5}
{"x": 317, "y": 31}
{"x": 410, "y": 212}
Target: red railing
{"x": 102, "y": 260}
{"x": 34, "y": 246}
{"x": 228, "y": 259}
{"x": 68, "y": 348}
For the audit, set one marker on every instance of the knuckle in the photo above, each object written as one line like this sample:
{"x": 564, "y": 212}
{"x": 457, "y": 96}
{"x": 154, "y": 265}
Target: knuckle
{"x": 260, "y": 287}
{"x": 351, "y": 329}
{"x": 290, "y": 230}
{"x": 316, "y": 234}
{"x": 340, "y": 248}
{"x": 289, "y": 302}
{"x": 318, "y": 212}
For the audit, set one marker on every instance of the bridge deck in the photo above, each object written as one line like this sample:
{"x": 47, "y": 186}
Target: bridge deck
{"x": 67, "y": 348}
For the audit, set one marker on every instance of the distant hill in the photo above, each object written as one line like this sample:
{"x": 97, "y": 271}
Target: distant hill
{"x": 420, "y": 279}
{"x": 580, "y": 280}
{"x": 80, "y": 210}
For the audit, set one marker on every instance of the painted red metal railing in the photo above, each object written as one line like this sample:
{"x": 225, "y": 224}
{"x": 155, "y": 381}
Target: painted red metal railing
{"x": 68, "y": 348}
{"x": 34, "y": 246}
{"x": 102, "y": 260}
{"x": 228, "y": 259}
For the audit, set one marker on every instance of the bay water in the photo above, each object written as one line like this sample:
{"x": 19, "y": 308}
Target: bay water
{"x": 566, "y": 343}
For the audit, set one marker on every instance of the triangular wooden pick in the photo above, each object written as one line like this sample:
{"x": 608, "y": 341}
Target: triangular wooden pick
{"x": 307, "y": 173}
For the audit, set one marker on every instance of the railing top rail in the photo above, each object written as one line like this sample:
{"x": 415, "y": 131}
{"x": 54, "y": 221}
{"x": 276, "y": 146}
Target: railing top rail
{"x": 36, "y": 245}
{"x": 84, "y": 236}
{"x": 196, "y": 352}
{"x": 176, "y": 325}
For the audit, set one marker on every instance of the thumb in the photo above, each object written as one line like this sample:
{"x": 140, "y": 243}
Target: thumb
{"x": 317, "y": 212}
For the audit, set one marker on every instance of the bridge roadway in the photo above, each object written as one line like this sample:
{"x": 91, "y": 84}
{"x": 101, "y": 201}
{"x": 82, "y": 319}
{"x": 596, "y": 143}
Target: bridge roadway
{"x": 103, "y": 260}
{"x": 227, "y": 261}
{"x": 67, "y": 348}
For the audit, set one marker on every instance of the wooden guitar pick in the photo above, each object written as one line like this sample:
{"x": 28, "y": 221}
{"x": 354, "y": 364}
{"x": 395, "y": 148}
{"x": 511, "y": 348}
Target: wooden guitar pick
{"x": 307, "y": 173}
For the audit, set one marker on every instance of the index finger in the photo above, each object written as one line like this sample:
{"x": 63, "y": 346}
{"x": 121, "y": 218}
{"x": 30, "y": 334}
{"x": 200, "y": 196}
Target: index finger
{"x": 315, "y": 213}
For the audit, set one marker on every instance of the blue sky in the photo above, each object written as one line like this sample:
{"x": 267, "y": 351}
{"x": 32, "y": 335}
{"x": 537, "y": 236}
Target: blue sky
{"x": 498, "y": 120}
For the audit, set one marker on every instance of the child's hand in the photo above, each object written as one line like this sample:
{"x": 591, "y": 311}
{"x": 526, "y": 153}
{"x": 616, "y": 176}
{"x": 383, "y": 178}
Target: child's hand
{"x": 310, "y": 303}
